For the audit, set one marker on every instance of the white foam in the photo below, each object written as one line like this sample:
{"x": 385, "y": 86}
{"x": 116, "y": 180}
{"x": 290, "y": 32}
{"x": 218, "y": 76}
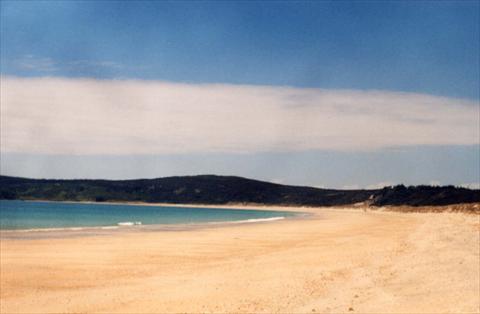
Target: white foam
{"x": 249, "y": 220}
{"x": 45, "y": 229}
{"x": 134, "y": 223}
{"x": 129, "y": 223}
{"x": 57, "y": 229}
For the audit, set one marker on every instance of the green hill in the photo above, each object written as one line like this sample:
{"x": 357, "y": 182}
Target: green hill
{"x": 211, "y": 189}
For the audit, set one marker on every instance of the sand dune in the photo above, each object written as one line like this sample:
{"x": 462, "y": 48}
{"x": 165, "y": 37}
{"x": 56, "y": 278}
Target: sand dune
{"x": 335, "y": 261}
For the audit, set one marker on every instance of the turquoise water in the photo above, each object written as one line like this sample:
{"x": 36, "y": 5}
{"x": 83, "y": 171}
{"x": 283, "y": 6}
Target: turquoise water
{"x": 17, "y": 215}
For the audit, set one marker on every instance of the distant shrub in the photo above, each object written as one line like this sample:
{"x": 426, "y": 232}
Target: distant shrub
{"x": 100, "y": 199}
{"x": 8, "y": 195}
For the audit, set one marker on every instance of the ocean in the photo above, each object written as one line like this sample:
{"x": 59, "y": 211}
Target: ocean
{"x": 23, "y": 215}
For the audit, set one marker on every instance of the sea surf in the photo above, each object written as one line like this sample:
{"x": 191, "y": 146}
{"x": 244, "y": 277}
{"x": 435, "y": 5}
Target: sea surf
{"x": 18, "y": 215}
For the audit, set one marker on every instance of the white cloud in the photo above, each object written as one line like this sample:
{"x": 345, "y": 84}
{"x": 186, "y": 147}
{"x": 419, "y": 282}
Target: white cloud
{"x": 379, "y": 185}
{"x": 48, "y": 65}
{"x": 351, "y": 187}
{"x": 473, "y": 185}
{"x": 88, "y": 116}
{"x": 30, "y": 62}
{"x": 88, "y": 64}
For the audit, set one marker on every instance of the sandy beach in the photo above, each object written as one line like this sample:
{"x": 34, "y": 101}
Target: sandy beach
{"x": 335, "y": 261}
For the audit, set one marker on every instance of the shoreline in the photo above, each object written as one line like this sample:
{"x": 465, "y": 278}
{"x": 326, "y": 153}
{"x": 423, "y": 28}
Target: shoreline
{"x": 299, "y": 212}
{"x": 115, "y": 229}
{"x": 66, "y": 232}
{"x": 468, "y": 208}
{"x": 240, "y": 206}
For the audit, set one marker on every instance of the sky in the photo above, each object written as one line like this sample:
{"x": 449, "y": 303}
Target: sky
{"x": 331, "y": 94}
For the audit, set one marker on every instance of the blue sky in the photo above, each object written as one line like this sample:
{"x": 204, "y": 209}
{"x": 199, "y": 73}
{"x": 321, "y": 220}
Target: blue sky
{"x": 423, "y": 48}
{"x": 429, "y": 47}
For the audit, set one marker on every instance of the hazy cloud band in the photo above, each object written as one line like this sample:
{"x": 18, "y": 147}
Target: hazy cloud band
{"x": 88, "y": 116}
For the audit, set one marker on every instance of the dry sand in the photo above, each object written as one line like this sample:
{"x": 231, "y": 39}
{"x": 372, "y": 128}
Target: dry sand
{"x": 336, "y": 261}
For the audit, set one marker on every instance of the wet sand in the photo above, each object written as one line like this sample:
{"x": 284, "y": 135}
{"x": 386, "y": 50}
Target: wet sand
{"x": 337, "y": 260}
